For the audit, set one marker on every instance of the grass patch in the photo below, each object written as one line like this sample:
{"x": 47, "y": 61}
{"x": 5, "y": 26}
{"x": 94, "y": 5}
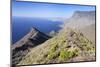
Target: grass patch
{"x": 65, "y": 55}
{"x": 54, "y": 47}
{"x": 52, "y": 54}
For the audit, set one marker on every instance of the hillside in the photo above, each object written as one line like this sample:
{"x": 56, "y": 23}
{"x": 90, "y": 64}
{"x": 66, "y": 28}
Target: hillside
{"x": 83, "y": 21}
{"x": 69, "y": 45}
{"x": 23, "y": 46}
{"x": 89, "y": 32}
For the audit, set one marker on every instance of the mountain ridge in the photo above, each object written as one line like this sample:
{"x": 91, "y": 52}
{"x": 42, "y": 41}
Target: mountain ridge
{"x": 23, "y": 46}
{"x": 67, "y": 46}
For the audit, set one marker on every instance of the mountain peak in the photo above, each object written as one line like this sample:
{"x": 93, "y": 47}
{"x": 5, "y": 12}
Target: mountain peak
{"x": 33, "y": 29}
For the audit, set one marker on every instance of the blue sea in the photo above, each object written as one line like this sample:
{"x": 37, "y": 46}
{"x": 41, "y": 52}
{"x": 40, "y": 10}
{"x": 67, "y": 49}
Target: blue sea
{"x": 21, "y": 26}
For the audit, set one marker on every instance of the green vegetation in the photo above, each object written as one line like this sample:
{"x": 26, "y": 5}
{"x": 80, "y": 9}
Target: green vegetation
{"x": 65, "y": 54}
{"x": 61, "y": 48}
{"x": 54, "y": 47}
{"x": 87, "y": 44}
{"x": 52, "y": 53}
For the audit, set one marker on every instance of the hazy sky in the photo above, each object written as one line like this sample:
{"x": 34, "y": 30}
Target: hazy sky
{"x": 31, "y": 9}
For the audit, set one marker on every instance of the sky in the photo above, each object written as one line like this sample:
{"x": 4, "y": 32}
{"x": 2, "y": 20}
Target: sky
{"x": 46, "y": 10}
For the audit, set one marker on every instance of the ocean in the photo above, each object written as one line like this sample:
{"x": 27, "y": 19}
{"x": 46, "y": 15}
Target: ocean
{"x": 21, "y": 26}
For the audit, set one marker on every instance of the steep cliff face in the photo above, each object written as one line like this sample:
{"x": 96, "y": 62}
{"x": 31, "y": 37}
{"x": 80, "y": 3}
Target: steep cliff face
{"x": 68, "y": 46}
{"x": 23, "y": 46}
{"x": 84, "y": 14}
{"x": 81, "y": 19}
